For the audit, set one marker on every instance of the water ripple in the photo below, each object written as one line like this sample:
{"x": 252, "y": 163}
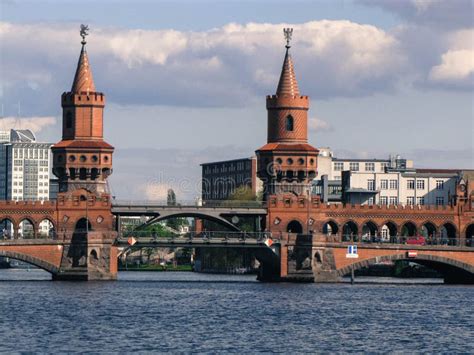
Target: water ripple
{"x": 186, "y": 312}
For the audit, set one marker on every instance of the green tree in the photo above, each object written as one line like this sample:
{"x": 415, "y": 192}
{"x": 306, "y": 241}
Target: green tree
{"x": 243, "y": 193}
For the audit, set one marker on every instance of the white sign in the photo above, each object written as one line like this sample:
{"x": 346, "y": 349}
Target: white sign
{"x": 352, "y": 252}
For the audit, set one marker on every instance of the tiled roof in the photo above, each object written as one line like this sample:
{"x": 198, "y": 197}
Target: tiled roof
{"x": 82, "y": 144}
{"x": 439, "y": 171}
{"x": 288, "y": 84}
{"x": 83, "y": 81}
{"x": 288, "y": 147}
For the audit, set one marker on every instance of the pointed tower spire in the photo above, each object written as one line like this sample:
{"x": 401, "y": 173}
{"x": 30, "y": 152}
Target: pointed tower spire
{"x": 287, "y": 163}
{"x": 83, "y": 81}
{"x": 82, "y": 160}
{"x": 288, "y": 84}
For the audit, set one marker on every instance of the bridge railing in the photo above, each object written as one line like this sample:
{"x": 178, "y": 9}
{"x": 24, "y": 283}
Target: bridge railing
{"x": 398, "y": 239}
{"x": 202, "y": 236}
{"x": 8, "y": 235}
{"x": 184, "y": 203}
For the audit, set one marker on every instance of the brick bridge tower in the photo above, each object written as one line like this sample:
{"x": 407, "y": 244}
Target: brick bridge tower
{"x": 82, "y": 161}
{"x": 287, "y": 163}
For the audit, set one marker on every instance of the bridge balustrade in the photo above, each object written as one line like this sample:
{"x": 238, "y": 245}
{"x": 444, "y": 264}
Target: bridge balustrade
{"x": 202, "y": 236}
{"x": 8, "y": 235}
{"x": 205, "y": 204}
{"x": 398, "y": 239}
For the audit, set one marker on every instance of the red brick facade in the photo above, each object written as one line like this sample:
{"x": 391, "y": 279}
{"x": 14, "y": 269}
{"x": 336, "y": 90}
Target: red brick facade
{"x": 287, "y": 163}
{"x": 80, "y": 245}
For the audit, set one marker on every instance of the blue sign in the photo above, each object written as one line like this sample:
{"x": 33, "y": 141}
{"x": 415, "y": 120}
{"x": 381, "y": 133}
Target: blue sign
{"x": 352, "y": 251}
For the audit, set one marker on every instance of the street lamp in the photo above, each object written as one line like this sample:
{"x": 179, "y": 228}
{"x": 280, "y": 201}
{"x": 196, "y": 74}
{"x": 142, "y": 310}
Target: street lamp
{"x": 307, "y": 219}
{"x": 85, "y": 198}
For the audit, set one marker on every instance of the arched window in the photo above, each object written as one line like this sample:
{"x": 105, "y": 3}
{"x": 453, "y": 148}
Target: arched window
{"x": 289, "y": 123}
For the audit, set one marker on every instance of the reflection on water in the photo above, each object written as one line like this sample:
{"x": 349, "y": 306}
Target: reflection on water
{"x": 188, "y": 312}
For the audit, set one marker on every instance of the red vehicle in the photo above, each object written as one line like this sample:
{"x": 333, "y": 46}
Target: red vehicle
{"x": 416, "y": 240}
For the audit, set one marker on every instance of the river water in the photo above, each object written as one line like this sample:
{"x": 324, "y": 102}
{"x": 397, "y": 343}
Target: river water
{"x": 188, "y": 312}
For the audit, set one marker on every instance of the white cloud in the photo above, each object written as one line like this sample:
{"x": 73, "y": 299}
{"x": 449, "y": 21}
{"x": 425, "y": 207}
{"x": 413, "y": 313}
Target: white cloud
{"x": 230, "y": 65}
{"x": 316, "y": 124}
{"x": 456, "y": 65}
{"x": 136, "y": 47}
{"x": 155, "y": 191}
{"x": 448, "y": 14}
{"x": 36, "y": 124}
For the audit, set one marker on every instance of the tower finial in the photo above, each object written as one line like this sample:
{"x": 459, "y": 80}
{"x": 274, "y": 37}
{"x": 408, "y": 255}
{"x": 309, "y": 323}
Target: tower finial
{"x": 84, "y": 32}
{"x": 288, "y": 33}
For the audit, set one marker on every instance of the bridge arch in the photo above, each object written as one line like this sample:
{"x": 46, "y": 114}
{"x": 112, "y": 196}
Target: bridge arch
{"x": 428, "y": 230}
{"x": 46, "y": 266}
{"x": 408, "y": 229}
{"x": 46, "y": 228}
{"x": 7, "y": 227}
{"x": 369, "y": 229}
{"x": 330, "y": 227}
{"x": 349, "y": 229}
{"x": 451, "y": 269}
{"x": 448, "y": 233}
{"x": 469, "y": 235}
{"x": 294, "y": 226}
{"x": 27, "y": 227}
{"x": 388, "y": 229}
{"x": 217, "y": 219}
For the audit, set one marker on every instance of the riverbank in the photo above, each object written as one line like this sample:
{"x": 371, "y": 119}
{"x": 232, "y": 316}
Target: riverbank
{"x": 146, "y": 267}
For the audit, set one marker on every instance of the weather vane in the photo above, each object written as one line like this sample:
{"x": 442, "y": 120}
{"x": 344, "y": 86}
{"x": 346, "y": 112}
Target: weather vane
{"x": 84, "y": 32}
{"x": 288, "y": 32}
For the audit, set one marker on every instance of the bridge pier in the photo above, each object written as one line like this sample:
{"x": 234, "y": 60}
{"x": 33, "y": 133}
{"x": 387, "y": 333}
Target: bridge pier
{"x": 270, "y": 265}
{"x": 87, "y": 258}
{"x": 458, "y": 278}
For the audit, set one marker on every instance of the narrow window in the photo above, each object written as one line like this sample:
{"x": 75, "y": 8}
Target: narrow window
{"x": 289, "y": 123}
{"x": 69, "y": 120}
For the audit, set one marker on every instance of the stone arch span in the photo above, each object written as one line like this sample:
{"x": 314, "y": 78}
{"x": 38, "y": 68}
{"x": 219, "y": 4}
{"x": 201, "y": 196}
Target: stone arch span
{"x": 453, "y": 271}
{"x": 42, "y": 264}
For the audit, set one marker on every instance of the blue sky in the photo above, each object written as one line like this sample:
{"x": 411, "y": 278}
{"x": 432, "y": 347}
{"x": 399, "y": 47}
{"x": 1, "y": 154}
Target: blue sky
{"x": 186, "y": 80}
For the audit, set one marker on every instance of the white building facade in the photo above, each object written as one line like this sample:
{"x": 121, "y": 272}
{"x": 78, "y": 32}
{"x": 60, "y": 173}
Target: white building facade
{"x": 392, "y": 181}
{"x": 419, "y": 187}
{"x": 25, "y": 165}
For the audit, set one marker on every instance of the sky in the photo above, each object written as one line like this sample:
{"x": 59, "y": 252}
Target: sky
{"x": 186, "y": 81}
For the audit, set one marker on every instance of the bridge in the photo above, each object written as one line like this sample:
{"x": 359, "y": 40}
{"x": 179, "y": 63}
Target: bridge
{"x": 282, "y": 257}
{"x": 220, "y": 212}
{"x": 78, "y": 236}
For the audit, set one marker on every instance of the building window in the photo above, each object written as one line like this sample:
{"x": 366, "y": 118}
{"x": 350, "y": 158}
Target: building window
{"x": 420, "y": 184}
{"x": 338, "y": 166}
{"x": 410, "y": 184}
{"x": 369, "y": 166}
{"x": 370, "y": 201}
{"x": 382, "y": 167}
{"x": 383, "y": 200}
{"x": 354, "y": 166}
{"x": 420, "y": 201}
{"x": 383, "y": 184}
{"x": 439, "y": 185}
{"x": 410, "y": 200}
{"x": 371, "y": 185}
{"x": 393, "y": 200}
{"x": 439, "y": 201}
{"x": 393, "y": 184}
{"x": 289, "y": 123}
{"x": 69, "y": 120}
